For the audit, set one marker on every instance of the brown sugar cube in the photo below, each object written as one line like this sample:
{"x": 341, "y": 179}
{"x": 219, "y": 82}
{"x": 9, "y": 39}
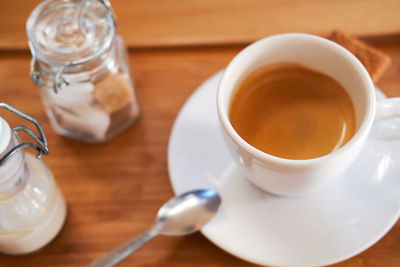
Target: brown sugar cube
{"x": 113, "y": 92}
{"x": 375, "y": 61}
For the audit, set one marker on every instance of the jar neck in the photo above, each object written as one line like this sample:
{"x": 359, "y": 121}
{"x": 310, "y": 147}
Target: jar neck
{"x": 13, "y": 172}
{"x": 85, "y": 71}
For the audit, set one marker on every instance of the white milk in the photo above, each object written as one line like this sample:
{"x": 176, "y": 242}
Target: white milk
{"x": 32, "y": 209}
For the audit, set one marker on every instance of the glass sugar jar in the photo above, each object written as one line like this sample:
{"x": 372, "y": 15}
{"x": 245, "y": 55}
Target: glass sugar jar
{"x": 32, "y": 208}
{"x": 79, "y": 63}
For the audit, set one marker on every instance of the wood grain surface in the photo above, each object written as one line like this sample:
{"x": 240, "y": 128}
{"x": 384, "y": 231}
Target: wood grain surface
{"x": 205, "y": 22}
{"x": 114, "y": 191}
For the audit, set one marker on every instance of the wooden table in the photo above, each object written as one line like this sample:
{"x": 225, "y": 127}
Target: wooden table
{"x": 114, "y": 191}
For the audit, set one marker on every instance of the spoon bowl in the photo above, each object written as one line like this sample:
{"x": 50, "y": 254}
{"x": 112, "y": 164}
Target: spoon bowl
{"x": 188, "y": 212}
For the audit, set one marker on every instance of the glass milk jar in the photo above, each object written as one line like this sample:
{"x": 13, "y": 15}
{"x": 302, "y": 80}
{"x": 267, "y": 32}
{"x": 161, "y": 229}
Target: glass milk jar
{"x": 80, "y": 65}
{"x": 32, "y": 209}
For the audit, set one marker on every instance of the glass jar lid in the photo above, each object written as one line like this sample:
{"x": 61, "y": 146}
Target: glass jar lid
{"x": 5, "y": 135}
{"x": 65, "y": 32}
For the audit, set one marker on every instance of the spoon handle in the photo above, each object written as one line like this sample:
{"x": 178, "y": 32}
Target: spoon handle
{"x": 124, "y": 250}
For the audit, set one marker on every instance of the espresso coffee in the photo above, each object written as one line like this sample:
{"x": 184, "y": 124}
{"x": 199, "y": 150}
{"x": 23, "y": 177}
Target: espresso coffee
{"x": 292, "y": 112}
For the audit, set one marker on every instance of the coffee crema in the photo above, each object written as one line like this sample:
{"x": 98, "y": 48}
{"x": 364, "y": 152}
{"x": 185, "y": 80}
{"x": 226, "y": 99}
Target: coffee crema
{"x": 292, "y": 112}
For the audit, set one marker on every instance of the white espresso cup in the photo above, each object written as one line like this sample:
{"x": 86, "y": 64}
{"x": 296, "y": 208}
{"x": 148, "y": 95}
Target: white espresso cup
{"x": 290, "y": 177}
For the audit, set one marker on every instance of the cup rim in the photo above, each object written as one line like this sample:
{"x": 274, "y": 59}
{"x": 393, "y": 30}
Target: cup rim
{"x": 359, "y": 136}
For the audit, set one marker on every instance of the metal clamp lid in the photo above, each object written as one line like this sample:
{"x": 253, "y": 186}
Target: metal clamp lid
{"x": 35, "y": 72}
{"x": 41, "y": 140}
{"x": 59, "y": 81}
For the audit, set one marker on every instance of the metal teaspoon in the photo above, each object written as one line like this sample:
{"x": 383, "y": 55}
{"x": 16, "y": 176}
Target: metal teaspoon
{"x": 181, "y": 215}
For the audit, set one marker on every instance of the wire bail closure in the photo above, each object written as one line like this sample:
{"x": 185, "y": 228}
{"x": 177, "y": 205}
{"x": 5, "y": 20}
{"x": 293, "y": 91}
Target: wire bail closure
{"x": 59, "y": 81}
{"x": 41, "y": 140}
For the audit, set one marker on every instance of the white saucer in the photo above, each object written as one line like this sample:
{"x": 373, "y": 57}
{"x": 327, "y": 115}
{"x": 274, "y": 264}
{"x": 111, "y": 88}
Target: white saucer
{"x": 329, "y": 226}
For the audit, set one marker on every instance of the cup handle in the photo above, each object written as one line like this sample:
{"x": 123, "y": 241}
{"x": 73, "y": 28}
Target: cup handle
{"x": 387, "y": 120}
